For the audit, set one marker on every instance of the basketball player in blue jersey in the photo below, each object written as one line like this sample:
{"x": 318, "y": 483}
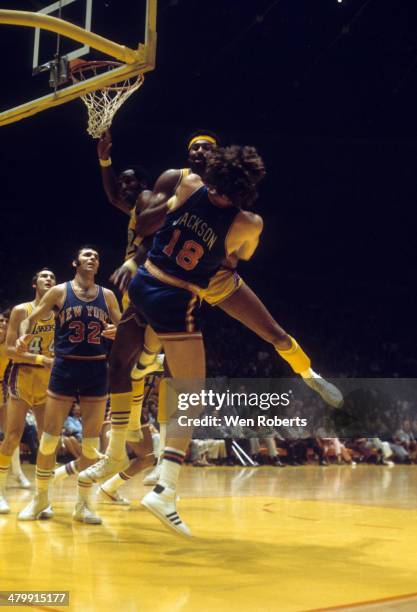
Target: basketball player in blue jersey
{"x": 225, "y": 290}
{"x": 204, "y": 224}
{"x": 83, "y": 314}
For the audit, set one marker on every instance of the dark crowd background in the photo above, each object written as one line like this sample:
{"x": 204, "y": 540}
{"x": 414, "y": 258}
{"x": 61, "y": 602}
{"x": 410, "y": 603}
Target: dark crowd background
{"x": 326, "y": 91}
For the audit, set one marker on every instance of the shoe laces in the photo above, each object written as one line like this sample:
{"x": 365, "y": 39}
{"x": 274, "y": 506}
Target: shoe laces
{"x": 96, "y": 467}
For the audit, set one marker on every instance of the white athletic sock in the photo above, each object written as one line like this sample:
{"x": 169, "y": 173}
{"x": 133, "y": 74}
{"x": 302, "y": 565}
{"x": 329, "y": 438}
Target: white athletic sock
{"x": 64, "y": 471}
{"x": 16, "y": 466}
{"x": 112, "y": 484}
{"x": 171, "y": 463}
{"x": 84, "y": 491}
{"x": 162, "y": 440}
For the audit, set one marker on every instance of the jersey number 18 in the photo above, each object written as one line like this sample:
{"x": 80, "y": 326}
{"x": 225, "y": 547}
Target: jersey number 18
{"x": 190, "y": 254}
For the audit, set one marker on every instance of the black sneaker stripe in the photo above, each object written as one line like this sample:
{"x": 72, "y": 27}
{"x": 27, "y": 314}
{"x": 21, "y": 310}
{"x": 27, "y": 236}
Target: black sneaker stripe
{"x": 172, "y": 514}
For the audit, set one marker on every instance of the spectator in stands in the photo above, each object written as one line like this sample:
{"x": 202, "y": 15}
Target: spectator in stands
{"x": 71, "y": 435}
{"x": 404, "y": 443}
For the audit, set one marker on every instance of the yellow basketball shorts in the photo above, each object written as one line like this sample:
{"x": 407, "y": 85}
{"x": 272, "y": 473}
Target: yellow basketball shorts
{"x": 222, "y": 285}
{"x": 29, "y": 383}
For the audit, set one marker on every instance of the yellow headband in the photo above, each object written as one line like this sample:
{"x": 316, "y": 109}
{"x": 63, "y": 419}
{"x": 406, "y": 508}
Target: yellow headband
{"x": 202, "y": 137}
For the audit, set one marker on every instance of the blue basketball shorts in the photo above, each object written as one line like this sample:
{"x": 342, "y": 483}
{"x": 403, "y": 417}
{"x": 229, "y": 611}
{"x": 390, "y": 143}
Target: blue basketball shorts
{"x": 167, "y": 309}
{"x": 78, "y": 378}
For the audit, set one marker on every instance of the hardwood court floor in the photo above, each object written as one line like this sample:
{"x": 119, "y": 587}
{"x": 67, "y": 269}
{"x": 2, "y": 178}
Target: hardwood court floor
{"x": 269, "y": 539}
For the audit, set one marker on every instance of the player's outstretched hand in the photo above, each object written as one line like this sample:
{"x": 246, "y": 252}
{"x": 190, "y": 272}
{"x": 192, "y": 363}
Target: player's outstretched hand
{"x": 121, "y": 278}
{"x": 104, "y": 145}
{"x": 109, "y": 332}
{"x": 22, "y": 343}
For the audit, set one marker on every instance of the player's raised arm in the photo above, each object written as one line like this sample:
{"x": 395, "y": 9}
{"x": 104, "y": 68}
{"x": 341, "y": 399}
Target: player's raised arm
{"x": 108, "y": 175}
{"x": 110, "y": 181}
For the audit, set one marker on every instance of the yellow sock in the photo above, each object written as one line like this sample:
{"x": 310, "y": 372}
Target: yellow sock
{"x": 146, "y": 357}
{"x": 5, "y": 461}
{"x": 162, "y": 402}
{"x": 43, "y": 479}
{"x": 120, "y": 404}
{"x": 136, "y": 405}
{"x": 134, "y": 433}
{"x": 296, "y": 357}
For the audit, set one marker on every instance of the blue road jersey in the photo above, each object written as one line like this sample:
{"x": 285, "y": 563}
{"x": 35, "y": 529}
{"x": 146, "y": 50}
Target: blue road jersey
{"x": 191, "y": 243}
{"x": 79, "y": 325}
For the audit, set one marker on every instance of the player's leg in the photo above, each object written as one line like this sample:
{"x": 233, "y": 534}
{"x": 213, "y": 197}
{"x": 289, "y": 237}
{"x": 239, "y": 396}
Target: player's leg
{"x": 92, "y": 413}
{"x": 246, "y": 307}
{"x": 2, "y": 415}
{"x": 152, "y": 477}
{"x": 186, "y": 360}
{"x": 39, "y": 413}
{"x": 34, "y": 393}
{"x": 56, "y": 410}
{"x": 23, "y": 389}
{"x": 108, "y": 491}
{"x": 164, "y": 416}
{"x": 134, "y": 434}
{"x": 15, "y": 424}
{"x": 4, "y": 506}
{"x": 126, "y": 347}
{"x": 147, "y": 361}
{"x": 139, "y": 441}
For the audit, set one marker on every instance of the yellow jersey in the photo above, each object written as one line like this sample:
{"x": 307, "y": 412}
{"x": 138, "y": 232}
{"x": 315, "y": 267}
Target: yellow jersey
{"x": 4, "y": 360}
{"x": 43, "y": 333}
{"x": 133, "y": 240}
{"x": 184, "y": 172}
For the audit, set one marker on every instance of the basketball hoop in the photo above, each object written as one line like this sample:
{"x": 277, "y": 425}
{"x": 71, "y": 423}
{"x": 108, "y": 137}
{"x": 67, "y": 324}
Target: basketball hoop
{"x": 102, "y": 104}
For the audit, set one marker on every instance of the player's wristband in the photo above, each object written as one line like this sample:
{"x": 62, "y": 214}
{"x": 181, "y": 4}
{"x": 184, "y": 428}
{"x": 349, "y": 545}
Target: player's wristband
{"x": 131, "y": 265}
{"x": 39, "y": 360}
{"x": 104, "y": 163}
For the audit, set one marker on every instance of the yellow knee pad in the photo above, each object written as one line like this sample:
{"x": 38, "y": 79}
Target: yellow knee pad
{"x": 48, "y": 444}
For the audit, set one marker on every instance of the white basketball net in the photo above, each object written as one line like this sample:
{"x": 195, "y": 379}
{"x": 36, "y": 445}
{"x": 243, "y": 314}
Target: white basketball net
{"x": 103, "y": 104}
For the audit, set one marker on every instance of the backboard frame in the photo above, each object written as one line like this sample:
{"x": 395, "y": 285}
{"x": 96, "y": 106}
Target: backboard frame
{"x": 52, "y": 8}
{"x": 134, "y": 61}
